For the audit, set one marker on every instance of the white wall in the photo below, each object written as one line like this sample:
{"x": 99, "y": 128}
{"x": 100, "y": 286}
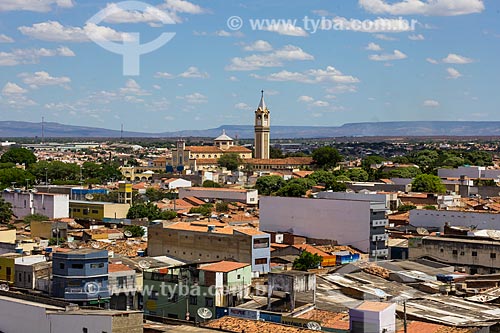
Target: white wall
{"x": 470, "y": 172}
{"x": 63, "y": 323}
{"x": 179, "y": 183}
{"x": 347, "y": 222}
{"x": 25, "y": 203}
{"x": 437, "y": 218}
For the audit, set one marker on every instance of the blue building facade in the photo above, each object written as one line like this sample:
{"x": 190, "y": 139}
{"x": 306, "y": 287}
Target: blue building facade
{"x": 81, "y": 276}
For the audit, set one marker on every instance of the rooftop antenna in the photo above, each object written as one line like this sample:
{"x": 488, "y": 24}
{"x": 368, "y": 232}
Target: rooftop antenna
{"x": 121, "y": 133}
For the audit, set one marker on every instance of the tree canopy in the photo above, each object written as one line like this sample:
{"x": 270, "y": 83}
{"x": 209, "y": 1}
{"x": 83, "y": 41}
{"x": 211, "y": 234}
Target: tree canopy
{"x": 230, "y": 161}
{"x": 149, "y": 211}
{"x": 18, "y": 155}
{"x": 267, "y": 185}
{"x": 5, "y": 211}
{"x": 428, "y": 183}
{"x": 307, "y": 261}
{"x": 326, "y": 157}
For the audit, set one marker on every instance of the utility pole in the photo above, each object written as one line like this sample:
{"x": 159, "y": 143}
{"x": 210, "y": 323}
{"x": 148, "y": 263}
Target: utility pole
{"x": 404, "y": 318}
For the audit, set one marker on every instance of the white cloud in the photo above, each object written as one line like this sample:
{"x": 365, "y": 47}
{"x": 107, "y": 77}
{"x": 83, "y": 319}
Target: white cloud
{"x": 194, "y": 98}
{"x": 432, "y": 61}
{"x": 233, "y": 79}
{"x": 242, "y": 106}
{"x": 156, "y": 86}
{"x": 384, "y": 37}
{"x": 190, "y": 73}
{"x": 31, "y": 56}
{"x": 183, "y": 6}
{"x": 416, "y": 37}
{"x": 115, "y": 14}
{"x": 133, "y": 88}
{"x": 13, "y": 89}
{"x": 373, "y": 47}
{"x": 286, "y": 29}
{"x": 34, "y": 5}
{"x": 305, "y": 99}
{"x": 430, "y": 103}
{"x": 53, "y": 31}
{"x": 342, "y": 88}
{"x": 38, "y": 79}
{"x": 273, "y": 59}
{"x": 453, "y": 73}
{"x": 328, "y": 75}
{"x": 5, "y": 39}
{"x": 194, "y": 73}
{"x": 320, "y": 104}
{"x": 453, "y": 58}
{"x": 259, "y": 46}
{"x": 424, "y": 7}
{"x": 396, "y": 55}
{"x": 164, "y": 75}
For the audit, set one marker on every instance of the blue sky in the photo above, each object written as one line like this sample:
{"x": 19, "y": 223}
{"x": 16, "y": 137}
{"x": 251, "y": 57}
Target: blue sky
{"x": 210, "y": 74}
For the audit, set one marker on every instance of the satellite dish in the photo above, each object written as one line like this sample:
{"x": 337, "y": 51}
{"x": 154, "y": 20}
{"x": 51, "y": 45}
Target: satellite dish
{"x": 144, "y": 264}
{"x": 89, "y": 196}
{"x": 95, "y": 245}
{"x": 422, "y": 231}
{"x": 4, "y": 287}
{"x": 312, "y": 325}
{"x": 127, "y": 233}
{"x": 204, "y": 313}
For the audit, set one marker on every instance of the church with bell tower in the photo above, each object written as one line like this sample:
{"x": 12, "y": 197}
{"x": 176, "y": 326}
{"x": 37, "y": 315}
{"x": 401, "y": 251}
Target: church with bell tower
{"x": 262, "y": 130}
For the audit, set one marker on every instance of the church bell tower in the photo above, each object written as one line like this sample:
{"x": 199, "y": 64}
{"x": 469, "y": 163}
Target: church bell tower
{"x": 262, "y": 129}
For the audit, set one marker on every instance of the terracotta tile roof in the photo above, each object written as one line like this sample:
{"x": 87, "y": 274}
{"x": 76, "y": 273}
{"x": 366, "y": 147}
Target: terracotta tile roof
{"x": 118, "y": 268}
{"x": 310, "y": 249}
{"x": 195, "y": 201}
{"x": 189, "y": 227}
{"x": 420, "y": 327}
{"x": 238, "y": 149}
{"x": 339, "y": 321}
{"x": 302, "y": 174}
{"x": 218, "y": 189}
{"x": 231, "y": 324}
{"x": 282, "y": 161}
{"x": 224, "y": 266}
{"x": 204, "y": 149}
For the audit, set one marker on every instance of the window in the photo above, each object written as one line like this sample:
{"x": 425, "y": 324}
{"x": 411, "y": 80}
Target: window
{"x": 95, "y": 211}
{"x": 99, "y": 265}
{"x": 493, "y": 255}
{"x": 238, "y": 277}
{"x": 85, "y": 330}
{"x": 61, "y": 265}
{"x": 261, "y": 243}
{"x": 193, "y": 300}
{"x": 474, "y": 253}
{"x": 209, "y": 302}
{"x": 462, "y": 253}
{"x": 121, "y": 281}
{"x": 262, "y": 261}
{"x": 77, "y": 266}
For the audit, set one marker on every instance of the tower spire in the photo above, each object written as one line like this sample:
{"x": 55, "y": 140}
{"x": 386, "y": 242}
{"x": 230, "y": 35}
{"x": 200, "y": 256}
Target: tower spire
{"x": 262, "y": 104}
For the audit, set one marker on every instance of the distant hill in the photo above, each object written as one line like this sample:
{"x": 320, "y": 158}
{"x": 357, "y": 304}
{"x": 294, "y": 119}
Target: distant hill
{"x": 399, "y": 128}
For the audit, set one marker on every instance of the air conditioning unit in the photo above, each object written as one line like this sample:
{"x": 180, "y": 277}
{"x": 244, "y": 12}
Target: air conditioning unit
{"x": 279, "y": 238}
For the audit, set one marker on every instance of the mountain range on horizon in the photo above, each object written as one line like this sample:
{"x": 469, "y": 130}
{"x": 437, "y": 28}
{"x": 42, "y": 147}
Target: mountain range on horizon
{"x": 22, "y": 129}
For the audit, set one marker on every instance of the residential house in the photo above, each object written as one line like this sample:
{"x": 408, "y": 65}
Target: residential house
{"x": 25, "y": 203}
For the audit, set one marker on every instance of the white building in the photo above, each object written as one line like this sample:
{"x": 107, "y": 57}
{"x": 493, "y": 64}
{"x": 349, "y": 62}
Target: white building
{"x": 437, "y": 218}
{"x": 375, "y": 317}
{"x": 357, "y": 223}
{"x": 473, "y": 172}
{"x": 52, "y": 205}
{"x": 22, "y": 315}
{"x": 249, "y": 197}
{"x": 175, "y": 183}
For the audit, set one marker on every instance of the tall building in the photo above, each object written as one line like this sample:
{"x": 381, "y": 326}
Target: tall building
{"x": 262, "y": 128}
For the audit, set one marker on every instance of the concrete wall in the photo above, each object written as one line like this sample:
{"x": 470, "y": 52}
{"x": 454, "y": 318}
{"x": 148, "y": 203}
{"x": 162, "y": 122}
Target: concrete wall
{"x": 8, "y": 236}
{"x": 347, "y": 222}
{"x": 69, "y": 323}
{"x": 481, "y": 256}
{"x": 51, "y": 205}
{"x": 437, "y": 218}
